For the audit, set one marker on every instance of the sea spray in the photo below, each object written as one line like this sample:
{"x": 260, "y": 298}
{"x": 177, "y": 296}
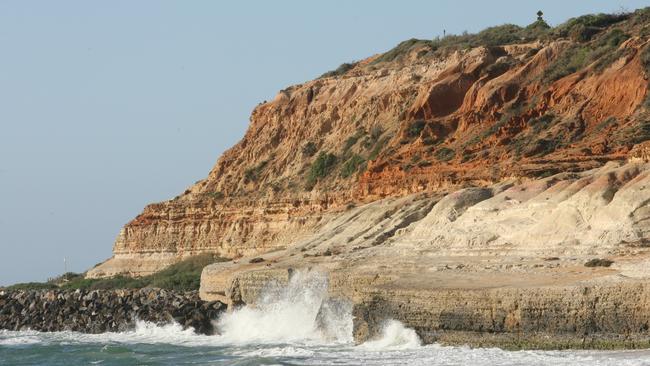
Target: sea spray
{"x": 394, "y": 336}
{"x": 299, "y": 311}
{"x": 143, "y": 333}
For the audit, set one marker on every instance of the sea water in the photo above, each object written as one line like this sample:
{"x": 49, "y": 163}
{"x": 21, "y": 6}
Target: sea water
{"x": 289, "y": 326}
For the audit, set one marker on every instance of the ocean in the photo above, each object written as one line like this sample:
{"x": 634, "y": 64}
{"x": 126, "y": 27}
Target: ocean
{"x": 287, "y": 327}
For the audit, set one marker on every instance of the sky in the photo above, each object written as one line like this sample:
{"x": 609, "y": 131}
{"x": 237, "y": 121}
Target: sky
{"x": 106, "y": 106}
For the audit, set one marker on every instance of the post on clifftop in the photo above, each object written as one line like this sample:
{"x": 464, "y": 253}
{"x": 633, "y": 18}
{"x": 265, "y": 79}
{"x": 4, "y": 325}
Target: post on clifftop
{"x": 539, "y": 15}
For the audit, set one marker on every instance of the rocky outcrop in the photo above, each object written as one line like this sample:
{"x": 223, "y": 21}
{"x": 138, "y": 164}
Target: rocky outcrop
{"x": 498, "y": 265}
{"x": 579, "y": 315}
{"x": 420, "y": 118}
{"x": 458, "y": 185}
{"x": 98, "y": 311}
{"x": 640, "y": 153}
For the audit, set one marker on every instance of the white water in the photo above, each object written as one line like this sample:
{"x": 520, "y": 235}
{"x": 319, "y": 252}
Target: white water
{"x": 286, "y": 314}
{"x": 144, "y": 333}
{"x": 395, "y": 336}
{"x": 289, "y": 325}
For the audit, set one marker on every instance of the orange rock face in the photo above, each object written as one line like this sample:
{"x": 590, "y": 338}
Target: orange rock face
{"x": 423, "y": 121}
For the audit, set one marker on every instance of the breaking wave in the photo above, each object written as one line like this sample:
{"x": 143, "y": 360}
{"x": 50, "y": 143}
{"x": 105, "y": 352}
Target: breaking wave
{"x": 394, "y": 336}
{"x": 299, "y": 311}
{"x": 296, "y": 323}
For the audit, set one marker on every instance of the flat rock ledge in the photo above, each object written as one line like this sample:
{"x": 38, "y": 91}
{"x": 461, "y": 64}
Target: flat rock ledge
{"x": 98, "y": 311}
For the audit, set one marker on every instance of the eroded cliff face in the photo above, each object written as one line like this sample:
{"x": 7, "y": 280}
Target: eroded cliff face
{"x": 426, "y": 120}
{"x": 508, "y": 264}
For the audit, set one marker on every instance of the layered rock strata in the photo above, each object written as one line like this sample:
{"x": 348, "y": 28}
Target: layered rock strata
{"x": 419, "y": 118}
{"x": 499, "y": 265}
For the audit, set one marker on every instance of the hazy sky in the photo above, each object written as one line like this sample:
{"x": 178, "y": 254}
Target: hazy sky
{"x": 106, "y": 106}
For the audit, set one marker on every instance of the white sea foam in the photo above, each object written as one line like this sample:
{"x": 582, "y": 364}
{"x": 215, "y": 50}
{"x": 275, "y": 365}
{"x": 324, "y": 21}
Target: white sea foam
{"x": 394, "y": 336}
{"x": 9, "y": 338}
{"x": 144, "y": 333}
{"x": 285, "y": 351}
{"x": 298, "y": 312}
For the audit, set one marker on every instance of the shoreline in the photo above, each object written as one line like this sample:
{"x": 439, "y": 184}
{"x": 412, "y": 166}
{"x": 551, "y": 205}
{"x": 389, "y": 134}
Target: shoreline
{"x": 118, "y": 310}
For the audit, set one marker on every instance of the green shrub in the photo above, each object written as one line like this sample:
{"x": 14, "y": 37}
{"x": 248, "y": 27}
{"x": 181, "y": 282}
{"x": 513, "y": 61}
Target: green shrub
{"x": 606, "y": 50}
{"x": 31, "y": 286}
{"x": 494, "y": 128}
{"x": 641, "y": 16}
{"x": 543, "y": 146}
{"x": 108, "y": 283}
{"x": 341, "y": 70}
{"x": 252, "y": 174}
{"x": 352, "y": 140}
{"x": 539, "y": 29}
{"x": 493, "y": 36}
{"x": 614, "y": 38}
{"x": 637, "y": 133}
{"x": 352, "y": 165}
{"x": 500, "y": 67}
{"x": 375, "y": 132}
{"x": 584, "y": 27}
{"x": 249, "y": 175}
{"x": 182, "y": 276}
{"x": 428, "y": 141}
{"x": 321, "y": 167}
{"x": 541, "y": 123}
{"x": 415, "y": 128}
{"x": 598, "y": 262}
{"x": 604, "y": 124}
{"x": 544, "y": 173}
{"x": 645, "y": 59}
{"x": 379, "y": 146}
{"x": 215, "y": 195}
{"x": 499, "y": 35}
{"x": 602, "y": 52}
{"x": 444, "y": 154}
{"x": 467, "y": 156}
{"x": 571, "y": 60}
{"x": 402, "y": 49}
{"x": 66, "y": 277}
{"x": 309, "y": 149}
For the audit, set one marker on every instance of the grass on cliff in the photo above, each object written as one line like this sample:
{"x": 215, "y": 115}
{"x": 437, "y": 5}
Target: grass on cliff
{"x": 182, "y": 276}
{"x": 581, "y": 29}
{"x": 341, "y": 70}
{"x": 601, "y": 52}
{"x": 320, "y": 168}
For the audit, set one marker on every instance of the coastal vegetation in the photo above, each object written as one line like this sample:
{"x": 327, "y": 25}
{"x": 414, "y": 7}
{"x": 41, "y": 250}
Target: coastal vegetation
{"x": 321, "y": 168}
{"x": 182, "y": 276}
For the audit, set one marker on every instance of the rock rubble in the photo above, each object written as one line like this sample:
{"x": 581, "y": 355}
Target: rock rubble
{"x": 97, "y": 311}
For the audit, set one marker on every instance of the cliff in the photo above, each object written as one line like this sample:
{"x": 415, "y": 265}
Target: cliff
{"x": 427, "y": 116}
{"x": 557, "y": 262}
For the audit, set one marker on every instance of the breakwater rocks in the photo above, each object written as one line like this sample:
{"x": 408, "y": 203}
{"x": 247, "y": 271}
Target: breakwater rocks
{"x": 97, "y": 311}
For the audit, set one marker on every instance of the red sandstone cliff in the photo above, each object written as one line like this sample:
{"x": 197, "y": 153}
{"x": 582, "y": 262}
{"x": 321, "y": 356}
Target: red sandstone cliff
{"x": 425, "y": 116}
